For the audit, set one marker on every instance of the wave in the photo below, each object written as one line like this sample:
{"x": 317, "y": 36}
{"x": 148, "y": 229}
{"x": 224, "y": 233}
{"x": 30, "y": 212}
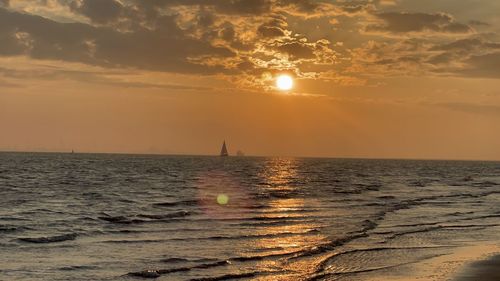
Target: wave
{"x": 177, "y": 203}
{"x": 367, "y": 227}
{"x": 275, "y": 223}
{"x": 159, "y": 272}
{"x": 144, "y": 218}
{"x": 322, "y": 266}
{"x": 239, "y": 237}
{"x": 259, "y": 257}
{"x": 145, "y": 274}
{"x": 181, "y": 216}
{"x": 440, "y": 225}
{"x": 77, "y": 267}
{"x": 178, "y": 214}
{"x": 121, "y": 220}
{"x": 144, "y": 231}
{"x": 13, "y": 218}
{"x": 366, "y": 270}
{"x": 10, "y": 228}
{"x": 479, "y": 226}
{"x": 184, "y": 260}
{"x": 228, "y": 277}
{"x": 134, "y": 241}
{"x": 50, "y": 239}
{"x": 252, "y": 236}
{"x": 485, "y": 184}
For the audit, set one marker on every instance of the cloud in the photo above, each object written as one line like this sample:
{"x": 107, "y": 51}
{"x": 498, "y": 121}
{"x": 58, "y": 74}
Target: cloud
{"x": 466, "y": 45}
{"x": 166, "y": 48}
{"x": 478, "y": 23}
{"x": 99, "y": 11}
{"x": 403, "y": 22}
{"x": 245, "y": 39}
{"x": 481, "y": 109}
{"x": 4, "y": 3}
{"x": 390, "y": 58}
{"x": 254, "y": 7}
{"x": 237, "y": 7}
{"x": 473, "y": 57}
{"x": 296, "y": 50}
{"x": 470, "y": 57}
{"x": 306, "y": 6}
{"x": 487, "y": 66}
{"x": 276, "y": 27}
{"x": 57, "y": 71}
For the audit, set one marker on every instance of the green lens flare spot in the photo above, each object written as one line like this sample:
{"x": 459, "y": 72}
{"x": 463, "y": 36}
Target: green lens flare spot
{"x": 222, "y": 199}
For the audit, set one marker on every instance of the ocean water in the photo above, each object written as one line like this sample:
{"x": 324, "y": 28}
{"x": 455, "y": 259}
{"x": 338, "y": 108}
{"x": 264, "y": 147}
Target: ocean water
{"x": 126, "y": 217}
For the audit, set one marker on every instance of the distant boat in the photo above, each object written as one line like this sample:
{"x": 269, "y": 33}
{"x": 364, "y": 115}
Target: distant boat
{"x": 72, "y": 152}
{"x": 240, "y": 153}
{"x": 223, "y": 151}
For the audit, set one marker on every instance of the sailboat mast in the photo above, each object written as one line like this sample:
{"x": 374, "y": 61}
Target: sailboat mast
{"x": 223, "y": 151}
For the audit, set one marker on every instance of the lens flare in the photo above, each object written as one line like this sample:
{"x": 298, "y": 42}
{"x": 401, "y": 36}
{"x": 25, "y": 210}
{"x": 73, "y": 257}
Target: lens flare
{"x": 221, "y": 195}
{"x": 222, "y": 199}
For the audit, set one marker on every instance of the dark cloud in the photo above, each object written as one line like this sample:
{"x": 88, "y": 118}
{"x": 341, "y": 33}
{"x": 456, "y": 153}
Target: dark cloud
{"x": 275, "y": 27}
{"x": 443, "y": 58}
{"x": 205, "y": 18}
{"x": 246, "y": 36}
{"x": 468, "y": 45}
{"x": 296, "y": 50}
{"x": 10, "y": 45}
{"x": 139, "y": 34}
{"x": 254, "y": 7}
{"x": 99, "y": 11}
{"x": 301, "y": 5}
{"x": 227, "y": 32}
{"x": 461, "y": 50}
{"x": 402, "y": 22}
{"x": 270, "y": 31}
{"x": 166, "y": 48}
{"x": 353, "y": 9}
{"x": 487, "y": 66}
{"x": 240, "y": 7}
{"x": 471, "y": 57}
{"x": 478, "y": 23}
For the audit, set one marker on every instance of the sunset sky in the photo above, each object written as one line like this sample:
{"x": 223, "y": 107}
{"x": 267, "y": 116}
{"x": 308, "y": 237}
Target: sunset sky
{"x": 372, "y": 78}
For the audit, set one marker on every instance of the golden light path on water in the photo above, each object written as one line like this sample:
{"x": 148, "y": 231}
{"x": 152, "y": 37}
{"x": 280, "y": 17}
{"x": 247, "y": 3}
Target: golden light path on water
{"x": 282, "y": 224}
{"x": 279, "y": 174}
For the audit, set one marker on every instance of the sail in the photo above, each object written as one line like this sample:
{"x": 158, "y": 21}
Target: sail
{"x": 223, "y": 151}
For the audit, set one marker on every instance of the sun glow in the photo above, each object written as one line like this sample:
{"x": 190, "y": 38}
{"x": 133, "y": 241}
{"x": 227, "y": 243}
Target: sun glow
{"x": 284, "y": 82}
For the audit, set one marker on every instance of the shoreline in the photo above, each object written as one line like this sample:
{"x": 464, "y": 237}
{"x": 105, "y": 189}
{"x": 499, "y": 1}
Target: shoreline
{"x": 465, "y": 263}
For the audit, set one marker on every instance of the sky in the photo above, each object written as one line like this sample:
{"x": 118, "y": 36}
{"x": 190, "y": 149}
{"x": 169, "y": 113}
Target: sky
{"x": 372, "y": 78}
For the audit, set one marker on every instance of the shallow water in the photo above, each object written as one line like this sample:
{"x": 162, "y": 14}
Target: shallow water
{"x": 112, "y": 217}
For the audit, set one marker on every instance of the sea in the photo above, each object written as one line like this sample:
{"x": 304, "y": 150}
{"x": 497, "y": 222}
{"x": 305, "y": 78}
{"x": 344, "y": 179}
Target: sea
{"x": 136, "y": 217}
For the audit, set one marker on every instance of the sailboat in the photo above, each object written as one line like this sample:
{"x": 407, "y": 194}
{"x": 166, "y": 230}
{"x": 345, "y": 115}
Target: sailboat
{"x": 223, "y": 151}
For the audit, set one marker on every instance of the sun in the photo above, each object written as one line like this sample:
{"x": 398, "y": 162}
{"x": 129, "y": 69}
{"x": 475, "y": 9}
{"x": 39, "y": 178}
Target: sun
{"x": 284, "y": 82}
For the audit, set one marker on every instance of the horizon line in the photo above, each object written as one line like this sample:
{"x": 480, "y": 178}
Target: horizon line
{"x": 252, "y": 156}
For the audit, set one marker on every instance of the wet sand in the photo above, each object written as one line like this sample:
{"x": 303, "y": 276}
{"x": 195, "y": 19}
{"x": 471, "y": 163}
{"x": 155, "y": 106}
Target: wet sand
{"x": 470, "y": 263}
{"x": 485, "y": 270}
